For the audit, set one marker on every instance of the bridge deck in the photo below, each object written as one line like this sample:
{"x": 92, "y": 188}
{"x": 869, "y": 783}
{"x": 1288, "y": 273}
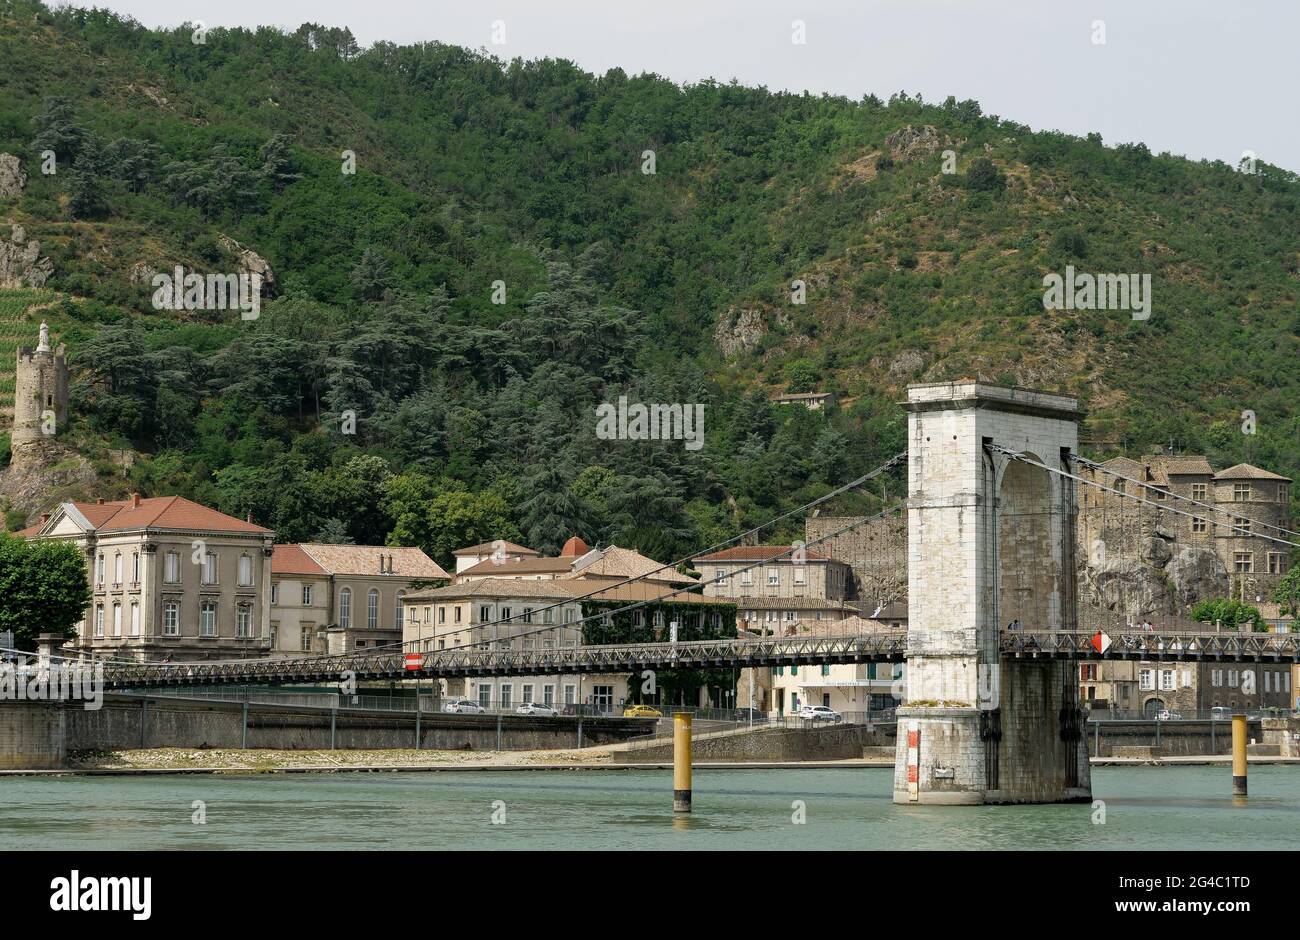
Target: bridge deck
{"x": 885, "y": 646}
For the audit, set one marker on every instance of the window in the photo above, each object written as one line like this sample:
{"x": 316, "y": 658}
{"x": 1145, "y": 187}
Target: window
{"x": 747, "y": 576}
{"x": 306, "y": 639}
{"x": 306, "y": 595}
{"x": 548, "y": 615}
{"x": 800, "y": 574}
{"x": 210, "y": 568}
{"x": 826, "y": 670}
{"x": 117, "y": 568}
{"x": 1241, "y": 492}
{"x": 1283, "y": 493}
{"x": 1243, "y": 526}
{"x": 485, "y": 614}
{"x": 507, "y": 694}
{"x": 527, "y": 694}
{"x": 208, "y": 618}
{"x": 99, "y": 569}
{"x": 1166, "y": 680}
{"x": 1274, "y": 562}
{"x": 569, "y": 616}
{"x": 1198, "y": 491}
{"x": 773, "y": 577}
{"x": 548, "y": 695}
{"x": 1216, "y": 678}
{"x": 528, "y": 615}
{"x": 415, "y": 615}
{"x": 1232, "y": 679}
{"x": 275, "y": 593}
{"x": 117, "y": 619}
{"x": 456, "y": 613}
{"x": 245, "y": 571}
{"x": 135, "y": 567}
{"x": 244, "y": 620}
{"x": 397, "y": 610}
{"x": 135, "y": 618}
{"x": 506, "y": 614}
{"x": 1145, "y": 682}
{"x": 345, "y": 607}
{"x": 372, "y": 609}
{"x": 99, "y": 620}
{"x": 1198, "y": 525}
{"x": 442, "y": 615}
{"x": 172, "y": 567}
{"x": 485, "y": 694}
{"x": 171, "y": 618}
{"x": 569, "y": 692}
{"x": 1161, "y": 495}
{"x": 1243, "y": 562}
{"x": 719, "y": 575}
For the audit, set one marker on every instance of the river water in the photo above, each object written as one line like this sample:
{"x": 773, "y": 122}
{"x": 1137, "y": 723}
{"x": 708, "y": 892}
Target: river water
{"x": 1145, "y": 808}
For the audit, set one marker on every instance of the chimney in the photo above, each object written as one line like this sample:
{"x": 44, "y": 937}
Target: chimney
{"x": 99, "y": 501}
{"x": 135, "y": 500}
{"x": 248, "y": 517}
{"x": 381, "y": 563}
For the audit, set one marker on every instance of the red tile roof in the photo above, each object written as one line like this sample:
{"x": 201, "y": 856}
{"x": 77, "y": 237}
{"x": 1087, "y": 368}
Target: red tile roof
{"x": 574, "y": 547}
{"x": 159, "y": 512}
{"x": 291, "y": 559}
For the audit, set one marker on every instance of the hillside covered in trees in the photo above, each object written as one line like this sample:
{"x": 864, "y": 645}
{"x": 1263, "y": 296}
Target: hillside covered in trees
{"x": 501, "y": 262}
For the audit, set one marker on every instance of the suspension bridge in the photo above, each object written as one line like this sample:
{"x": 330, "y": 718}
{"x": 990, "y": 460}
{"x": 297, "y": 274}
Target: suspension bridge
{"x": 991, "y": 540}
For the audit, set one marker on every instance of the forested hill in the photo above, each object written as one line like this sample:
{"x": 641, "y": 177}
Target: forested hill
{"x": 478, "y": 179}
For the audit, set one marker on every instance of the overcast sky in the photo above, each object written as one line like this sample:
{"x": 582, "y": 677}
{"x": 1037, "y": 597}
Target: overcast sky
{"x": 1202, "y": 78}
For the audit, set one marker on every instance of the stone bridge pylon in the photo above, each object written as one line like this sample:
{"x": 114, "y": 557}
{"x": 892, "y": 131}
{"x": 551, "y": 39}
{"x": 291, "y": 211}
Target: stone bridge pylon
{"x": 990, "y": 542}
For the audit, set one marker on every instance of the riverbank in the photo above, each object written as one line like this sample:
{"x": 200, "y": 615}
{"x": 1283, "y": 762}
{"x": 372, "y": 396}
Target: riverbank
{"x": 253, "y": 761}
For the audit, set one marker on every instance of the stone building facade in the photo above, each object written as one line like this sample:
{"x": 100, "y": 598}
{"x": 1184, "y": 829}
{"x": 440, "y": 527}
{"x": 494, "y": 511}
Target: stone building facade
{"x": 169, "y": 578}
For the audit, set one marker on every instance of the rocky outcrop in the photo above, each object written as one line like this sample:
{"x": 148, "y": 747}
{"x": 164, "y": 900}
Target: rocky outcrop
{"x": 914, "y": 143}
{"x": 21, "y": 264}
{"x": 739, "y": 331}
{"x": 250, "y": 262}
{"x": 1161, "y": 577}
{"x": 12, "y": 178}
{"x": 41, "y": 475}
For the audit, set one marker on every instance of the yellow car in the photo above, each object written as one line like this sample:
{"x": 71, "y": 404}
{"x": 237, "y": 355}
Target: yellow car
{"x": 642, "y": 711}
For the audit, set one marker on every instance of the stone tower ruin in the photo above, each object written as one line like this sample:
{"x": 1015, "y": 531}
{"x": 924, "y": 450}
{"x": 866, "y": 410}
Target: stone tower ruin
{"x": 40, "y": 394}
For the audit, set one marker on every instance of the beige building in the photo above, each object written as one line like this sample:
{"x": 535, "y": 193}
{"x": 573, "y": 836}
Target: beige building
{"x": 780, "y": 573}
{"x": 169, "y": 578}
{"x": 532, "y": 615}
{"x": 500, "y": 549}
{"x": 855, "y": 690}
{"x": 330, "y": 599}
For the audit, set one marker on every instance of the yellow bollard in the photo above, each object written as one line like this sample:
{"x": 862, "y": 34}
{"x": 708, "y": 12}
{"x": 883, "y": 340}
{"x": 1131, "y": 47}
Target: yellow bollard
{"x": 1238, "y": 755}
{"x": 681, "y": 763}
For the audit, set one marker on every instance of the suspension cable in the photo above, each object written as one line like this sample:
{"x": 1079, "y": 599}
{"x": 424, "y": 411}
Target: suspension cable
{"x": 636, "y": 604}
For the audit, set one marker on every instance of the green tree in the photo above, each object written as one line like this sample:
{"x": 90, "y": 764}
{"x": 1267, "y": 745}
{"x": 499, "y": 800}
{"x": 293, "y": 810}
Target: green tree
{"x": 1231, "y": 613}
{"x": 43, "y": 588}
{"x": 1287, "y": 593}
{"x": 984, "y": 176}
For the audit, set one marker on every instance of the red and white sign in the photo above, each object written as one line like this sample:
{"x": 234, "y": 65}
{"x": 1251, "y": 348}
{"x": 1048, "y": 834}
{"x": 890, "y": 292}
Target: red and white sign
{"x": 414, "y": 660}
{"x": 913, "y": 761}
{"x": 1100, "y": 642}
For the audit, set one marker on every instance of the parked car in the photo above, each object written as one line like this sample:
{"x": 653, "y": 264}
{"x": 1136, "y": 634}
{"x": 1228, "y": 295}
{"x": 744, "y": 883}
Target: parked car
{"x": 750, "y": 714}
{"x": 642, "y": 711}
{"x": 1220, "y": 712}
{"x": 820, "y": 713}
{"x": 463, "y": 706}
{"x": 1166, "y": 715}
{"x": 536, "y": 708}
